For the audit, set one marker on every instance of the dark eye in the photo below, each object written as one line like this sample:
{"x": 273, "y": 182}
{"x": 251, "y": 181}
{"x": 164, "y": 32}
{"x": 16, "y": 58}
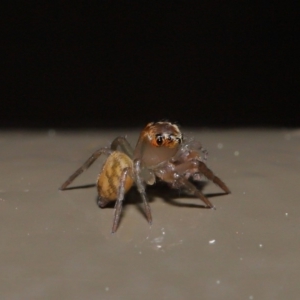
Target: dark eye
{"x": 159, "y": 139}
{"x": 179, "y": 140}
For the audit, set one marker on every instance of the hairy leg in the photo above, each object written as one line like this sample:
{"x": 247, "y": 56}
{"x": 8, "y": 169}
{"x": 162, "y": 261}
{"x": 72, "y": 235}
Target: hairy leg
{"x": 122, "y": 142}
{"x": 141, "y": 188}
{"x": 211, "y": 176}
{"x": 195, "y": 166}
{"x": 85, "y": 166}
{"x": 182, "y": 181}
{"x": 120, "y": 198}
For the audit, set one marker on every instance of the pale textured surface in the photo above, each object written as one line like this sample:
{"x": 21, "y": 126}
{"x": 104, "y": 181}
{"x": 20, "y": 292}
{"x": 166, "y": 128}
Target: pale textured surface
{"x": 57, "y": 245}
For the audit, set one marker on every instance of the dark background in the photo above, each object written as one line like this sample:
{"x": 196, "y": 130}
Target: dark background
{"x": 208, "y": 63}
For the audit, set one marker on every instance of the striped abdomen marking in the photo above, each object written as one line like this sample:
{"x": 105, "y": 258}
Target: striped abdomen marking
{"x": 108, "y": 181}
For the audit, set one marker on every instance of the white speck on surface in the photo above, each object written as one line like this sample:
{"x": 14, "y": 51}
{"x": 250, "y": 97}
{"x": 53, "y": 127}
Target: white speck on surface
{"x": 236, "y": 153}
{"x": 158, "y": 246}
{"x": 212, "y": 242}
{"x": 158, "y": 240}
{"x": 260, "y": 245}
{"x": 244, "y": 193}
{"x": 220, "y": 145}
{"x": 241, "y": 258}
{"x": 16, "y": 207}
{"x": 218, "y": 281}
{"x": 107, "y": 289}
{"x": 140, "y": 252}
{"x": 286, "y": 214}
{"x": 251, "y": 297}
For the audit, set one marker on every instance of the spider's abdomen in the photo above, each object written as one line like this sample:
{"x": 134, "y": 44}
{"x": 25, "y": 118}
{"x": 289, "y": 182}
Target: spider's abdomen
{"x": 109, "y": 179}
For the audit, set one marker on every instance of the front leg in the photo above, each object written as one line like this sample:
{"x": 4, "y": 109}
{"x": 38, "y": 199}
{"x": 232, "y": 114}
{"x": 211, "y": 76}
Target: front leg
{"x": 195, "y": 166}
{"x": 175, "y": 175}
{"x": 178, "y": 175}
{"x": 211, "y": 176}
{"x": 182, "y": 181}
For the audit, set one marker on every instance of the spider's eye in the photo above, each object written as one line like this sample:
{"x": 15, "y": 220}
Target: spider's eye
{"x": 179, "y": 140}
{"x": 159, "y": 139}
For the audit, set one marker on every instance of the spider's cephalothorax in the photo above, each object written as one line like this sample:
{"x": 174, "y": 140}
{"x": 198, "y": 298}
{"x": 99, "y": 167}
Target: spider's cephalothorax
{"x": 159, "y": 153}
{"x": 157, "y": 143}
{"x": 162, "y": 134}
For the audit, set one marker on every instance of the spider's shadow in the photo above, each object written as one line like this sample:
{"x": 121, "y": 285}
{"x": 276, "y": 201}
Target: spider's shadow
{"x": 85, "y": 186}
{"x": 161, "y": 190}
{"x": 168, "y": 195}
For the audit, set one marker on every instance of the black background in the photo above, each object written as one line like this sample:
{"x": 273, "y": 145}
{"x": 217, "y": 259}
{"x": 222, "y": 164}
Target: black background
{"x": 202, "y": 63}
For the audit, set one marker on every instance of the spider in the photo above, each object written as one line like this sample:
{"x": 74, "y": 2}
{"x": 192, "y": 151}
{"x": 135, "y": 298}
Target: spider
{"x": 160, "y": 153}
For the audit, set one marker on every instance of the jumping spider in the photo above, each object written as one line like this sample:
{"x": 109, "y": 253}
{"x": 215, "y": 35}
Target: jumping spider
{"x": 161, "y": 152}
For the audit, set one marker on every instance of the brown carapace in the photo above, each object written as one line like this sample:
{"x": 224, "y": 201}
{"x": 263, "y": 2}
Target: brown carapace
{"x": 160, "y": 153}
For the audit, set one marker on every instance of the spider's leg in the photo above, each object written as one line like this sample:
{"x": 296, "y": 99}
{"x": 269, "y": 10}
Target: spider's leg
{"x": 141, "y": 189}
{"x": 86, "y": 165}
{"x": 205, "y": 154}
{"x": 211, "y": 176}
{"x": 191, "y": 188}
{"x": 123, "y": 144}
{"x": 120, "y": 198}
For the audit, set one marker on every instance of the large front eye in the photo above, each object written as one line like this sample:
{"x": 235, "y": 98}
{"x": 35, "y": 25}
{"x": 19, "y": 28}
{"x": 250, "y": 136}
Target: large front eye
{"x": 159, "y": 139}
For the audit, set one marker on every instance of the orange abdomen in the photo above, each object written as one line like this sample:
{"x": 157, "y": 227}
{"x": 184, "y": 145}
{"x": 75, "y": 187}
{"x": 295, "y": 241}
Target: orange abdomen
{"x": 108, "y": 181}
